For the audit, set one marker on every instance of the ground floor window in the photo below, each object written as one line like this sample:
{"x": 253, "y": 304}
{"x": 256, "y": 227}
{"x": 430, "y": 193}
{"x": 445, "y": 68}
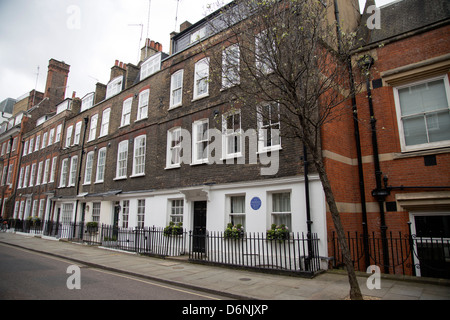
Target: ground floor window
{"x": 96, "y": 206}
{"x": 125, "y": 213}
{"x": 141, "y": 214}
{"x": 67, "y": 211}
{"x": 281, "y": 209}
{"x": 237, "y": 210}
{"x": 176, "y": 212}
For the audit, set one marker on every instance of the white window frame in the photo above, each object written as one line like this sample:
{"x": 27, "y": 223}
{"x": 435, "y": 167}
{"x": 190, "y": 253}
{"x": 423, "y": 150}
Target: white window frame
{"x": 114, "y": 87}
{"x": 93, "y": 127}
{"x": 44, "y": 140}
{"x": 51, "y": 137}
{"x": 67, "y": 213}
{"x": 58, "y": 133}
{"x": 96, "y": 211}
{"x": 173, "y": 159}
{"x": 125, "y": 213}
{"x": 101, "y": 164}
{"x": 198, "y": 142}
{"x": 76, "y": 138}
{"x": 69, "y": 133}
{"x": 10, "y": 174}
{"x": 122, "y": 160}
{"x": 89, "y": 167}
{"x": 25, "y": 148}
{"x": 198, "y": 35}
{"x": 176, "y": 211}
{"x": 27, "y": 176}
{"x": 263, "y": 129}
{"x": 430, "y": 145}
{"x": 73, "y": 171}
{"x": 126, "y": 112}
{"x": 87, "y": 102}
{"x": 21, "y": 174}
{"x": 64, "y": 173}
{"x": 46, "y": 171}
{"x": 32, "y": 175}
{"x": 262, "y": 61}
{"x": 53, "y": 170}
{"x": 41, "y": 208}
{"x": 37, "y": 143}
{"x": 233, "y": 134}
{"x": 106, "y": 116}
{"x": 201, "y": 78}
{"x": 39, "y": 173}
{"x": 151, "y": 66}
{"x": 141, "y": 213}
{"x": 233, "y": 212}
{"x": 176, "y": 89}
{"x": 142, "y": 112}
{"x": 139, "y": 156}
{"x": 231, "y": 66}
{"x": 277, "y": 214}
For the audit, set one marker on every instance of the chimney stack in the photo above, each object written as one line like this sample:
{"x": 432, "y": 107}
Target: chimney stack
{"x": 151, "y": 48}
{"x": 55, "y": 88}
{"x": 119, "y": 69}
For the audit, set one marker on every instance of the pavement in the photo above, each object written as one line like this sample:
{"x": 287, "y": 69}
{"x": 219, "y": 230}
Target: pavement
{"x": 231, "y": 283}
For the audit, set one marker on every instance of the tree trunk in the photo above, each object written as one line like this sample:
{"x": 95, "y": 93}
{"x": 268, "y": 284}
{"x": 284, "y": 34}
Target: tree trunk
{"x": 355, "y": 291}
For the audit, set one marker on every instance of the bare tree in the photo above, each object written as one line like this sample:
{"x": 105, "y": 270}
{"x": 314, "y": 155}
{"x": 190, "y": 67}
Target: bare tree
{"x": 284, "y": 59}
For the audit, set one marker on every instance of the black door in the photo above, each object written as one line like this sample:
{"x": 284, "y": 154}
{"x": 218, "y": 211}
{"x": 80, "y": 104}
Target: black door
{"x": 199, "y": 233}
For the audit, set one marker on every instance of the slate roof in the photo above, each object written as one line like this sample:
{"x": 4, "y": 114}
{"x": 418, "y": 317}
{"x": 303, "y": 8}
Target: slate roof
{"x": 404, "y": 16}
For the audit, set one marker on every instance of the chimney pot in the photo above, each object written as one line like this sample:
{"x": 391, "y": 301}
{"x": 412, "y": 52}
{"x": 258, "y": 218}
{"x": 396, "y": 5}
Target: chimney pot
{"x": 116, "y": 63}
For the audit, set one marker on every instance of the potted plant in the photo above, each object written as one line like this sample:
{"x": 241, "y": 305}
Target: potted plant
{"x": 92, "y": 227}
{"x": 234, "y": 232}
{"x": 280, "y": 232}
{"x": 173, "y": 229}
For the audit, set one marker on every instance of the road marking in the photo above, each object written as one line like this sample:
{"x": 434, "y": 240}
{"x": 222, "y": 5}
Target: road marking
{"x": 109, "y": 272}
{"x": 155, "y": 284}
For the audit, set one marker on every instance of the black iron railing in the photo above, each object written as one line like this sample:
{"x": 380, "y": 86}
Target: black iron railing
{"x": 407, "y": 254}
{"x": 294, "y": 253}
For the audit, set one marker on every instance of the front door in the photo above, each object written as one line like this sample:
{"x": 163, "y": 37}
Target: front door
{"x": 199, "y": 233}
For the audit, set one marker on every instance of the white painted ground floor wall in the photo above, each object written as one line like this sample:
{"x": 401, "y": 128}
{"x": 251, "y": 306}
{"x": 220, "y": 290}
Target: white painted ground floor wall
{"x": 258, "y": 209}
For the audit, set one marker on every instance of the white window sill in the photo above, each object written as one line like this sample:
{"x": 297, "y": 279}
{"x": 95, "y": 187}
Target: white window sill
{"x": 138, "y": 120}
{"x": 200, "y": 162}
{"x": 137, "y": 175}
{"x": 206, "y": 95}
{"x": 174, "y": 166}
{"x": 175, "y": 106}
{"x": 271, "y": 149}
{"x": 120, "y": 178}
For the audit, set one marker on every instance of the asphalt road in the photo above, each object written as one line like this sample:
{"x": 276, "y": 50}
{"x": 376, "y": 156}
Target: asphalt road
{"x": 26, "y": 275}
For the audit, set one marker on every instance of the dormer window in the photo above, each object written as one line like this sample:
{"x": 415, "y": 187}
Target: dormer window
{"x": 151, "y": 66}
{"x": 114, "y": 87}
{"x": 87, "y": 102}
{"x": 198, "y": 35}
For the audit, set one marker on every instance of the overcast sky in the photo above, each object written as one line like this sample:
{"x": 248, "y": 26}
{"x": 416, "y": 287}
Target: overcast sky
{"x": 88, "y": 35}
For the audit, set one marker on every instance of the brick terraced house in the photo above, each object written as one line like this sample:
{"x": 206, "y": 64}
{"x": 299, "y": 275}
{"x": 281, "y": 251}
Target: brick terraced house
{"x": 163, "y": 143}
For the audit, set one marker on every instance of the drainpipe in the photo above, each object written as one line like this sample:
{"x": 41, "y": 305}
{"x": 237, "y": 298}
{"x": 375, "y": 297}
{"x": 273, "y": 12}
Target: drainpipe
{"x": 358, "y": 143}
{"x": 379, "y": 193}
{"x": 308, "y": 206}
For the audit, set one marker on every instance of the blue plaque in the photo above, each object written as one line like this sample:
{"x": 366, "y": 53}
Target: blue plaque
{"x": 256, "y": 203}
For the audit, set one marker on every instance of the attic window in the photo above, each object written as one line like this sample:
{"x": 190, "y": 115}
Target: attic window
{"x": 198, "y": 35}
{"x": 114, "y": 87}
{"x": 151, "y": 66}
{"x": 88, "y": 102}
